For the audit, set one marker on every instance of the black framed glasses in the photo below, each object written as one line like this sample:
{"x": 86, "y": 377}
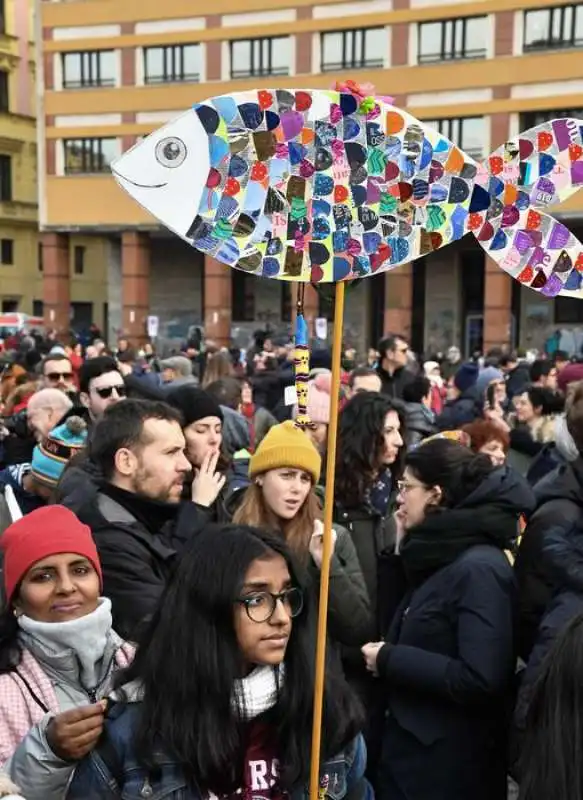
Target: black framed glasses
{"x": 107, "y": 391}
{"x": 260, "y": 606}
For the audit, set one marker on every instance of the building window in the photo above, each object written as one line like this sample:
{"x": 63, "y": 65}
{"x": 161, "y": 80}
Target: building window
{"x": 467, "y": 133}
{"x": 533, "y": 118}
{"x": 5, "y": 178}
{"x": 452, "y": 39}
{"x": 256, "y": 58}
{"x": 551, "y": 28}
{"x": 173, "y": 64}
{"x": 89, "y": 155}
{"x": 94, "y": 68}
{"x": 242, "y": 290}
{"x": 6, "y": 251}
{"x": 79, "y": 260}
{"x": 4, "y": 98}
{"x": 2, "y": 17}
{"x": 38, "y": 308}
{"x": 353, "y": 49}
{"x": 40, "y": 257}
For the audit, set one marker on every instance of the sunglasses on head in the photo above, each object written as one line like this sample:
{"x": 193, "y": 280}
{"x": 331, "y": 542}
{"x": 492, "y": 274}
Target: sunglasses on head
{"x": 107, "y": 391}
{"x": 57, "y": 376}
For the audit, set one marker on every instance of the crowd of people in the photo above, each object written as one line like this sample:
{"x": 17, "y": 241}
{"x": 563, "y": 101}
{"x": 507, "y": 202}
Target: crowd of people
{"x": 161, "y": 537}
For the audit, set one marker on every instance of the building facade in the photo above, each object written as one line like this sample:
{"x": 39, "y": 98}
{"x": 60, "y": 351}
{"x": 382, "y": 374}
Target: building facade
{"x": 20, "y": 280}
{"x": 110, "y": 73}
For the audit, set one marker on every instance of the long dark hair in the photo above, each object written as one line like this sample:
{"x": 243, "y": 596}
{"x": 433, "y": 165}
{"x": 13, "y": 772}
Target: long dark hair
{"x": 360, "y": 439}
{"x": 189, "y": 660}
{"x": 550, "y": 764}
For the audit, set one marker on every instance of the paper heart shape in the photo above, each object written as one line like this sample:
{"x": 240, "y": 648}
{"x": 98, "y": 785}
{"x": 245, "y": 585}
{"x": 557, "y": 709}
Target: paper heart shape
{"x": 533, "y": 221}
{"x": 265, "y": 99}
{"x": 544, "y": 140}
{"x": 303, "y": 101}
{"x": 475, "y": 222}
{"x": 496, "y": 165}
{"x": 575, "y": 152}
{"x": 526, "y": 275}
{"x": 340, "y": 194}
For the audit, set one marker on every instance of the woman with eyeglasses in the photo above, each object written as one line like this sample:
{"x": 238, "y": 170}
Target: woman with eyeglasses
{"x": 218, "y": 702}
{"x": 284, "y": 469}
{"x": 445, "y": 669}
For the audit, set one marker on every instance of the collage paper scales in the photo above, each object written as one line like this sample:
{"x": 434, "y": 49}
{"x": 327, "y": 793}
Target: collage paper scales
{"x": 326, "y": 186}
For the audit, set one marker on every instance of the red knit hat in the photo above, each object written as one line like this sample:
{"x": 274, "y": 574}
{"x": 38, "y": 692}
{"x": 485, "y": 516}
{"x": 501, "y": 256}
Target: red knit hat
{"x": 44, "y": 532}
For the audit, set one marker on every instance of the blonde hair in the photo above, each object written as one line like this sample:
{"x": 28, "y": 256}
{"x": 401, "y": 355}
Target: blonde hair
{"x": 297, "y": 532}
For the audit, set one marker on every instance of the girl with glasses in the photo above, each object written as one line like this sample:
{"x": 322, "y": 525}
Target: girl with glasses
{"x": 219, "y": 699}
{"x": 285, "y": 468}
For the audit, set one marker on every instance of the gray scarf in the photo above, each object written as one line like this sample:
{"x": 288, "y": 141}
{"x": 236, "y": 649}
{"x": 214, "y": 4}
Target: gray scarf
{"x": 85, "y": 638}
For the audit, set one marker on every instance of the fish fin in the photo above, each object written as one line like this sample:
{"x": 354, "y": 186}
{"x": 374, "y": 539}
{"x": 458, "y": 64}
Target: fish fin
{"x": 544, "y": 163}
{"x": 538, "y": 251}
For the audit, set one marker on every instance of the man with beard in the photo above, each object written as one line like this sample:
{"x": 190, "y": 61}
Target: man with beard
{"x": 135, "y": 513}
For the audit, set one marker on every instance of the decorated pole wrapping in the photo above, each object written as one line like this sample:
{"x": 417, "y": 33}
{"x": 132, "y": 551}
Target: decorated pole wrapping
{"x": 327, "y": 550}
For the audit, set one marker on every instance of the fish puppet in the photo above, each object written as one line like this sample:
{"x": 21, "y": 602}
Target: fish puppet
{"x": 328, "y": 185}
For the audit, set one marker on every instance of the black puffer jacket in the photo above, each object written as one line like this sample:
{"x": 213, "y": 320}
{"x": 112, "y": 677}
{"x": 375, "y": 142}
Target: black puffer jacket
{"x": 543, "y": 566}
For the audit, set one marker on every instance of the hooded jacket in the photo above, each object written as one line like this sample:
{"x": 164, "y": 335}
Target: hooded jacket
{"x": 449, "y": 659}
{"x": 420, "y": 423}
{"x": 547, "y": 543}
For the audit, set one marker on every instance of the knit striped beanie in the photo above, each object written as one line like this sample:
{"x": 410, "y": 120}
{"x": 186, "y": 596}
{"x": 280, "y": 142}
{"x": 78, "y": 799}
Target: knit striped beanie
{"x": 51, "y": 456}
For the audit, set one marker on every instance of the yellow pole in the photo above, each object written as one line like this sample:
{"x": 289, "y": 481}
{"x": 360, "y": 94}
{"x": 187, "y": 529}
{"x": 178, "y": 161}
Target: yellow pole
{"x": 327, "y": 549}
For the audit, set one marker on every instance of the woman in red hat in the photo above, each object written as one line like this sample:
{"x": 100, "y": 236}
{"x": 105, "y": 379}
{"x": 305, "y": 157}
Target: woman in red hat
{"x": 58, "y": 651}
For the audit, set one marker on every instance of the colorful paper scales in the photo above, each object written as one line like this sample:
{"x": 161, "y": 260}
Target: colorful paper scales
{"x": 322, "y": 186}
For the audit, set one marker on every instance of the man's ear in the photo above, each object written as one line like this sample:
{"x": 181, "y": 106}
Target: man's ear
{"x": 125, "y": 462}
{"x": 84, "y": 397}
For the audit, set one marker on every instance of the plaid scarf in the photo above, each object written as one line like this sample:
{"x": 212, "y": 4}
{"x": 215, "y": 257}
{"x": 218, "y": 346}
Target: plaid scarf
{"x": 258, "y": 692}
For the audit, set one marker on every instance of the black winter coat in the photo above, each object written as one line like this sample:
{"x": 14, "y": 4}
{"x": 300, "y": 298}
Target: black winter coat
{"x": 447, "y": 670}
{"x": 136, "y": 562}
{"x": 393, "y": 385}
{"x": 465, "y": 409}
{"x": 543, "y": 566}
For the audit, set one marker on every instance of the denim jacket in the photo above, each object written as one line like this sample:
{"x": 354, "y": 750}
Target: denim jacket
{"x": 113, "y": 765}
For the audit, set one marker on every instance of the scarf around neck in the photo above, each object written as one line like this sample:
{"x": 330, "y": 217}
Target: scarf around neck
{"x": 85, "y": 638}
{"x": 445, "y": 535}
{"x": 258, "y": 692}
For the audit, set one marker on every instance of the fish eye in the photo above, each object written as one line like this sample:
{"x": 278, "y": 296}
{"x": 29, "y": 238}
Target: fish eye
{"x": 171, "y": 152}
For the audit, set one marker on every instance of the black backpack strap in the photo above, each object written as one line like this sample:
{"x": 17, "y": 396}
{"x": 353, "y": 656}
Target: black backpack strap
{"x": 32, "y": 693}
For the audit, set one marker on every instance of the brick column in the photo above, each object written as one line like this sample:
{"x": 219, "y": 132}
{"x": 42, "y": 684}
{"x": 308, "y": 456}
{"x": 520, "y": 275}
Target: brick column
{"x": 56, "y": 282}
{"x": 217, "y": 301}
{"x": 504, "y": 33}
{"x": 128, "y": 78}
{"x": 304, "y": 46}
{"x": 497, "y": 306}
{"x": 400, "y": 37}
{"x": 213, "y": 51}
{"x": 398, "y": 300}
{"x": 135, "y": 285}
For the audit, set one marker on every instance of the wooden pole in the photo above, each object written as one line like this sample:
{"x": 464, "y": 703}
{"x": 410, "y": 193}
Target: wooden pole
{"x": 327, "y": 548}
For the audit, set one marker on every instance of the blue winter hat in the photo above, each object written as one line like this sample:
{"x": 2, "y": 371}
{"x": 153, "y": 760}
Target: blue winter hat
{"x": 466, "y": 376}
{"x": 486, "y": 377}
{"x": 51, "y": 456}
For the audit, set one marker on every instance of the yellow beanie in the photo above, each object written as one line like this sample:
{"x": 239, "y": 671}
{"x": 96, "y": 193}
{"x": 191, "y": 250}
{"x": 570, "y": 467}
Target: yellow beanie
{"x": 286, "y": 446}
